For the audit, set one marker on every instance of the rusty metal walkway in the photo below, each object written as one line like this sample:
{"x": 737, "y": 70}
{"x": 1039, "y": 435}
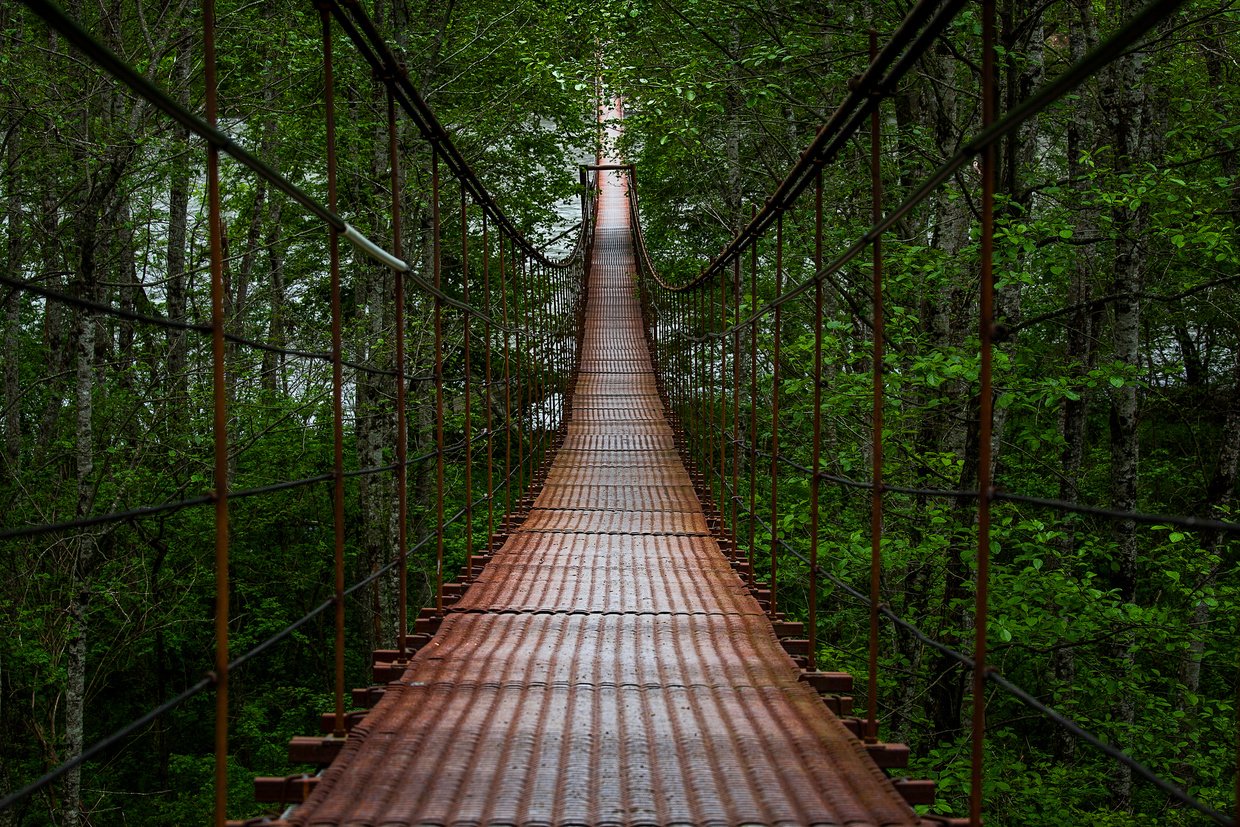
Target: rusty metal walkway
{"x": 607, "y": 666}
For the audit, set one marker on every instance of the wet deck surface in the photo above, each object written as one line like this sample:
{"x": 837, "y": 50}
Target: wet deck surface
{"x": 608, "y": 667}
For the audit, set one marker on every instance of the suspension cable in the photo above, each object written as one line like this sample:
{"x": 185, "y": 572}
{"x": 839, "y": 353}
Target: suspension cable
{"x": 126, "y": 74}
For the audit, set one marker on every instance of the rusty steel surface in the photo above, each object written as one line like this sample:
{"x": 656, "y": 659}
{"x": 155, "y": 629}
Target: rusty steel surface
{"x": 607, "y": 666}
{"x": 616, "y": 522}
{"x": 219, "y": 429}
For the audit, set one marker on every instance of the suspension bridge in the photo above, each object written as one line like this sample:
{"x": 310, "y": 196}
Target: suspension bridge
{"x": 616, "y": 655}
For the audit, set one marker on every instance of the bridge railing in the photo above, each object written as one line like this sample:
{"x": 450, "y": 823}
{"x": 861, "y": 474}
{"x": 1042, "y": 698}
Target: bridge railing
{"x": 505, "y": 319}
{"x": 724, "y": 391}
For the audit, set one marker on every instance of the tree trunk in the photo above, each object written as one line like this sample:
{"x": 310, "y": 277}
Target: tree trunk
{"x": 127, "y": 273}
{"x": 951, "y": 315}
{"x": 12, "y": 313}
{"x": 1126, "y": 99}
{"x": 271, "y": 374}
{"x": 178, "y": 216}
{"x": 1218, "y": 496}
{"x": 83, "y": 546}
{"x": 1079, "y": 353}
{"x": 374, "y": 425}
{"x": 272, "y": 377}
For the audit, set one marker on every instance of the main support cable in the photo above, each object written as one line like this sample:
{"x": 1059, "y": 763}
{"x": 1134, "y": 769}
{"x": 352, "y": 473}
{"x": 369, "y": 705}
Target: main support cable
{"x": 375, "y": 51}
{"x": 916, "y": 33}
{"x": 1049, "y": 93}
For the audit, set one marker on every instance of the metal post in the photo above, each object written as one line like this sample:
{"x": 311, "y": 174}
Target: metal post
{"x": 469, "y": 447}
{"x": 681, "y": 315}
{"x": 337, "y": 371}
{"x": 486, "y": 304}
{"x": 699, "y": 386}
{"x": 521, "y": 308}
{"x": 555, "y": 346}
{"x": 723, "y": 399}
{"x": 753, "y": 409}
{"x": 705, "y": 387}
{"x": 436, "y": 259}
{"x": 779, "y": 286}
{"x": 814, "y": 481}
{"x": 876, "y": 419}
{"x": 503, "y": 298}
{"x": 402, "y": 425}
{"x": 538, "y": 312}
{"x": 686, "y": 373}
{"x": 986, "y": 325}
{"x": 687, "y": 377}
{"x": 533, "y": 406}
{"x": 736, "y": 402}
{"x": 562, "y": 295}
{"x": 219, "y": 429}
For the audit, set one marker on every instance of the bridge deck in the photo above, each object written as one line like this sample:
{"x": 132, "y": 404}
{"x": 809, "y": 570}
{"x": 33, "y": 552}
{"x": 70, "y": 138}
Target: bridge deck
{"x": 608, "y": 667}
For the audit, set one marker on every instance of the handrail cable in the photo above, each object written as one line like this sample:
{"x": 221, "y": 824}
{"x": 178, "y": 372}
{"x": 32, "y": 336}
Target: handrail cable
{"x": 118, "y": 69}
{"x": 1049, "y": 93}
{"x": 133, "y": 726}
{"x": 1016, "y": 691}
{"x": 1179, "y": 520}
{"x": 196, "y": 327}
{"x": 177, "y": 505}
{"x": 1013, "y": 689}
{"x": 907, "y": 44}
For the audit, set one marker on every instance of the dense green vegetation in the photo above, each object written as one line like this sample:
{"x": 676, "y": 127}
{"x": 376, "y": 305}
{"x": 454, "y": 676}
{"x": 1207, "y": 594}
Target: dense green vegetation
{"x": 1118, "y": 369}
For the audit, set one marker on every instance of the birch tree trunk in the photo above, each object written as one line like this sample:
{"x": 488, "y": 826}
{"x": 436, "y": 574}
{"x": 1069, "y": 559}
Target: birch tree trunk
{"x": 1126, "y": 101}
{"x": 12, "y": 315}
{"x": 82, "y": 550}
{"x": 1079, "y": 350}
{"x": 178, "y": 213}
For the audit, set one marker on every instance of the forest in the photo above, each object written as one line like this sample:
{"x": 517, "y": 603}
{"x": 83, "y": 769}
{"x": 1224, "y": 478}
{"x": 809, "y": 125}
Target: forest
{"x": 1116, "y": 368}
